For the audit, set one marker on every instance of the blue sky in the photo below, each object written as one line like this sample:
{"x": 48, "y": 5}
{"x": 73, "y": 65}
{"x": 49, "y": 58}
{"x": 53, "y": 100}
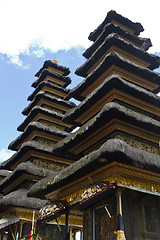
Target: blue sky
{"x": 37, "y": 30}
{"x": 16, "y": 87}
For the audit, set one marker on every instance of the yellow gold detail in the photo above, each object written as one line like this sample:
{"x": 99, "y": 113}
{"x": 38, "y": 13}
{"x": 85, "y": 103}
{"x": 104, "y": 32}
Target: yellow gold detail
{"x": 133, "y": 78}
{"x": 113, "y": 173}
{"x": 55, "y": 60}
{"x": 114, "y": 95}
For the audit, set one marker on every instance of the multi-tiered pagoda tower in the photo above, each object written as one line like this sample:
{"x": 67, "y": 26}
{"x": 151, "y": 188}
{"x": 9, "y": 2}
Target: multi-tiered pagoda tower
{"x": 116, "y": 175}
{"x": 33, "y": 160}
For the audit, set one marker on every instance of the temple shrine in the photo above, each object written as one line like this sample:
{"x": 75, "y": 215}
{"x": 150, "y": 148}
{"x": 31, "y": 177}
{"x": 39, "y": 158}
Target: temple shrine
{"x": 89, "y": 171}
{"x": 33, "y": 160}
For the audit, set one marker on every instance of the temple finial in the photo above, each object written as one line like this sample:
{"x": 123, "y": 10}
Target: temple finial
{"x": 55, "y": 60}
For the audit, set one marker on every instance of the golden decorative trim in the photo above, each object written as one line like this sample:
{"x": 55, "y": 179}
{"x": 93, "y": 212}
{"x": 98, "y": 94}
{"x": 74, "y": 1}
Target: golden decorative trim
{"x": 108, "y": 128}
{"x": 52, "y": 104}
{"x": 124, "y": 54}
{"x": 133, "y": 78}
{"x": 129, "y": 41}
{"x": 113, "y": 173}
{"x": 47, "y": 164}
{"x": 52, "y": 210}
{"x": 25, "y": 213}
{"x": 129, "y": 56}
{"x": 130, "y": 30}
{"x": 50, "y": 119}
{"x": 142, "y": 145}
{"x": 37, "y": 133}
{"x": 21, "y": 179}
{"x": 54, "y": 80}
{"x": 46, "y": 157}
{"x": 114, "y": 95}
{"x": 138, "y": 131}
{"x": 55, "y": 70}
{"x": 54, "y": 92}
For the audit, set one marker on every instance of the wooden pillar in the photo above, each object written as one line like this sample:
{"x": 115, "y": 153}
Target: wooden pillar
{"x": 16, "y": 229}
{"x": 20, "y": 229}
{"x": 35, "y": 226}
{"x": 81, "y": 235}
{"x": 120, "y": 225}
{"x": 67, "y": 225}
{"x": 9, "y": 234}
{"x": 70, "y": 234}
{"x": 2, "y": 235}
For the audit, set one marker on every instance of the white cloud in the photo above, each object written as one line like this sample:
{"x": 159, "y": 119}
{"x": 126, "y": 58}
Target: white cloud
{"x": 15, "y": 60}
{"x": 5, "y": 154}
{"x": 38, "y": 52}
{"x": 63, "y": 24}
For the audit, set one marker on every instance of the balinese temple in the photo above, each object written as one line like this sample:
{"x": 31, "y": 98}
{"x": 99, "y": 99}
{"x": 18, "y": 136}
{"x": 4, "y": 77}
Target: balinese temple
{"x": 33, "y": 159}
{"x": 115, "y": 179}
{"x": 101, "y": 181}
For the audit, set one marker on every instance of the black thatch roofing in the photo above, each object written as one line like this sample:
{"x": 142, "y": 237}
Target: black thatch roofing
{"x": 39, "y": 127}
{"x": 29, "y": 168}
{"x": 114, "y": 39}
{"x": 50, "y": 63}
{"x": 46, "y": 73}
{"x": 4, "y": 173}
{"x": 41, "y": 95}
{"x": 35, "y": 110}
{"x": 109, "y": 112}
{"x": 19, "y": 198}
{"x": 114, "y": 150}
{"x": 114, "y": 81}
{"x": 50, "y": 85}
{"x": 27, "y": 146}
{"x": 144, "y": 43}
{"x": 4, "y": 165}
{"x": 40, "y": 188}
{"x": 112, "y": 15}
{"x": 113, "y": 59}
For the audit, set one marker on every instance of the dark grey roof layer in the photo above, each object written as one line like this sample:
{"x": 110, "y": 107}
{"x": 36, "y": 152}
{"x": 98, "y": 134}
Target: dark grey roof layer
{"x": 46, "y": 73}
{"x": 35, "y": 110}
{"x": 41, "y": 95}
{"x": 112, "y": 15}
{"x": 4, "y": 173}
{"x": 27, "y": 146}
{"x": 41, "y": 186}
{"x": 39, "y": 127}
{"x": 114, "y": 39}
{"x": 5, "y": 164}
{"x": 26, "y": 167}
{"x": 50, "y": 85}
{"x": 114, "y": 150}
{"x": 144, "y": 43}
{"x": 19, "y": 199}
{"x": 109, "y": 112}
{"x": 50, "y": 63}
{"x": 114, "y": 59}
{"x": 114, "y": 81}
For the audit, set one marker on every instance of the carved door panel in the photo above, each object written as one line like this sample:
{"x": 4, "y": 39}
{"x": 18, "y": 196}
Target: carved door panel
{"x": 104, "y": 226}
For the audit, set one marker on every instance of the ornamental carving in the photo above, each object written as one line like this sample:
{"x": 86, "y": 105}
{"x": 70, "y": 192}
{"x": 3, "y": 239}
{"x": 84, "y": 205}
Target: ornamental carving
{"x": 144, "y": 146}
{"x": 49, "y": 165}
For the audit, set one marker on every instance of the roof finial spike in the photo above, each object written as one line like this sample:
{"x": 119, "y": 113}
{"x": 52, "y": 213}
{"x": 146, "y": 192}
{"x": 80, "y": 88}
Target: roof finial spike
{"x": 55, "y": 60}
